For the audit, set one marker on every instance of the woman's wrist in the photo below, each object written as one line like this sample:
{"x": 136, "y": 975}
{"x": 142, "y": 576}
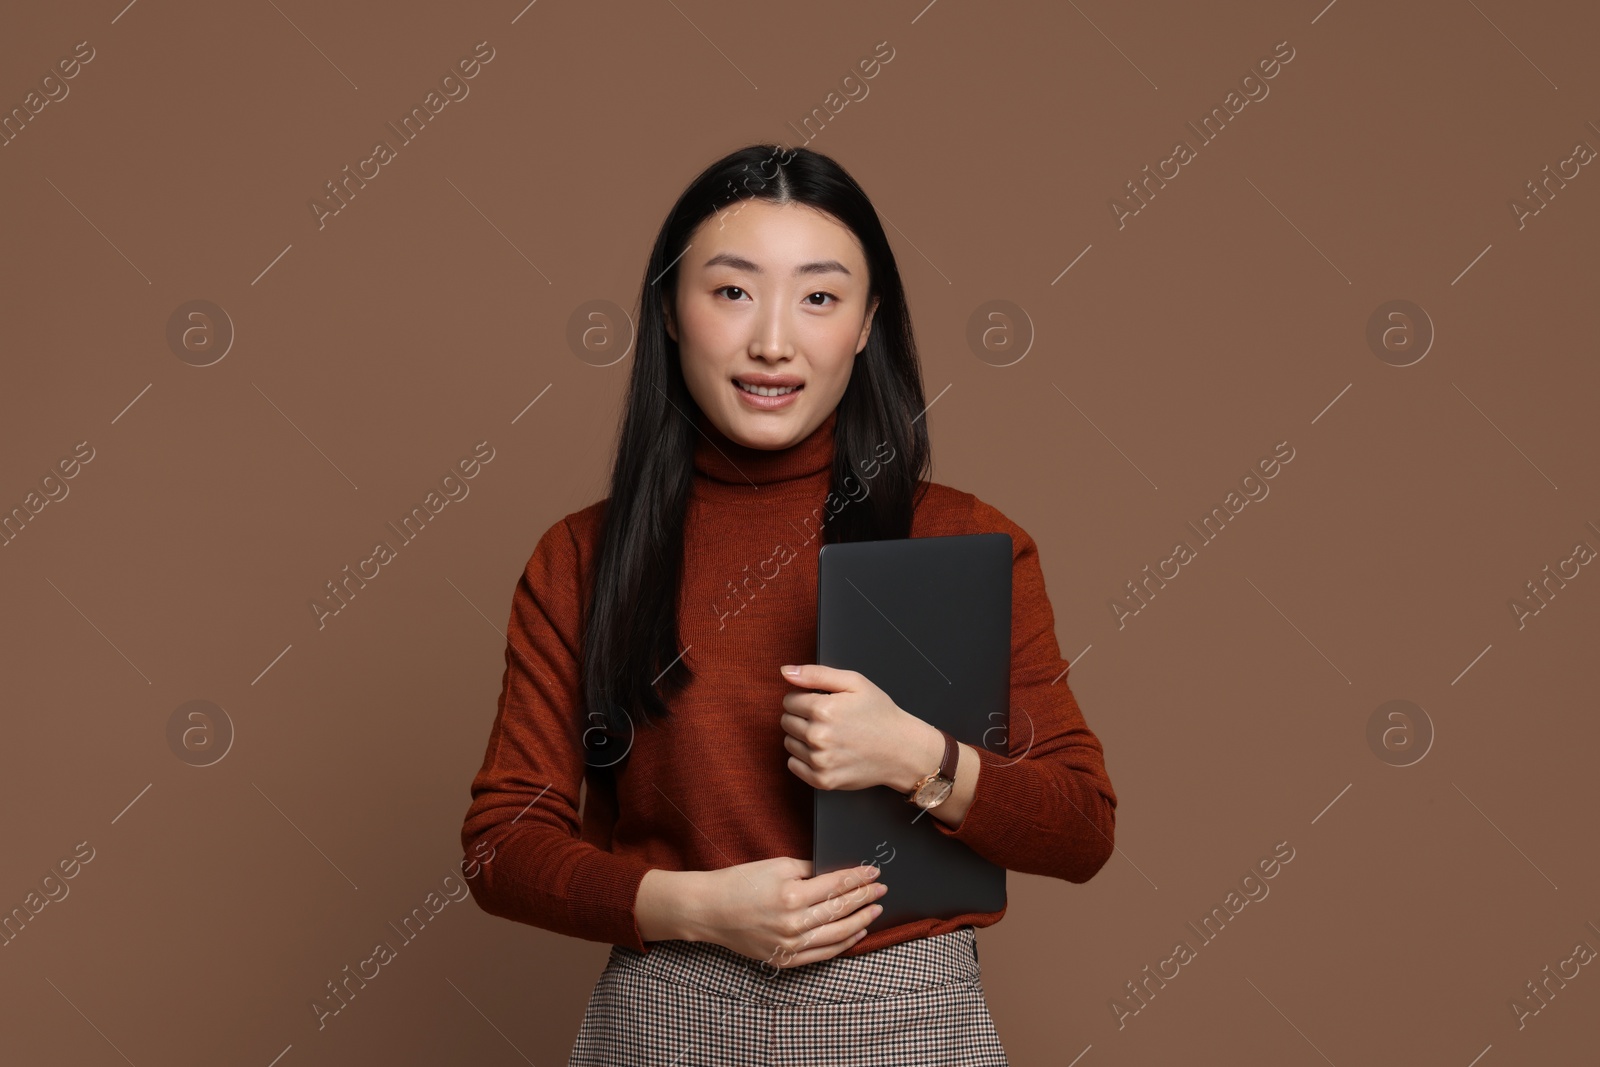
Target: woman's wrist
{"x": 664, "y": 909}
{"x": 920, "y": 756}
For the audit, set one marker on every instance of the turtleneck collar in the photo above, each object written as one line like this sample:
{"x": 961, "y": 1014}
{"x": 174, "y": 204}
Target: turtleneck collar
{"x": 721, "y": 459}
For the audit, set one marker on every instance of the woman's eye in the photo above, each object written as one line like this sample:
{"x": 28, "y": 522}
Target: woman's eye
{"x": 738, "y": 292}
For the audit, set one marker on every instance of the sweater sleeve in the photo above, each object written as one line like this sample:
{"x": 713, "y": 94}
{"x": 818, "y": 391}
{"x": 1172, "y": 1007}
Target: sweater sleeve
{"x": 525, "y": 797}
{"x": 1047, "y": 806}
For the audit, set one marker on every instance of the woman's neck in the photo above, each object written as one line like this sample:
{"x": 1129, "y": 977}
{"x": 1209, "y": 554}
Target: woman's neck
{"x": 718, "y": 458}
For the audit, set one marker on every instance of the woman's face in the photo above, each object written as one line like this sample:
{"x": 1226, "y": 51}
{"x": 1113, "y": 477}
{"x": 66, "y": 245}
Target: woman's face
{"x": 770, "y": 291}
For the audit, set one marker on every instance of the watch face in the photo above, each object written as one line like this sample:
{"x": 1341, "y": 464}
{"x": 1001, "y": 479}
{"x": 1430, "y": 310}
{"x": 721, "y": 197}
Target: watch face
{"x": 935, "y": 792}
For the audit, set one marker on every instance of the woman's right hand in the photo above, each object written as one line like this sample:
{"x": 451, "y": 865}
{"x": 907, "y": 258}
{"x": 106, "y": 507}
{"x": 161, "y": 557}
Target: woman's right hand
{"x": 774, "y": 911}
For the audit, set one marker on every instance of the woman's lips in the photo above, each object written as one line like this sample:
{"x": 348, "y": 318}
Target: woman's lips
{"x": 766, "y": 403}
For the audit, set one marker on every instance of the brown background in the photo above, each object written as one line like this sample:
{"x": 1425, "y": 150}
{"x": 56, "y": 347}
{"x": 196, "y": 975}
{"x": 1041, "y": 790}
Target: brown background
{"x": 1230, "y": 314}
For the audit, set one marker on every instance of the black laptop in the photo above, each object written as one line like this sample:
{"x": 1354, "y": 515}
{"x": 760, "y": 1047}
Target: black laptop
{"x": 928, "y": 620}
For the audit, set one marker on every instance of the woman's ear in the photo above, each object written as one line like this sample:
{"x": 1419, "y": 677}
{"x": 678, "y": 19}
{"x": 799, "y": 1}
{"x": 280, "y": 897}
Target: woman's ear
{"x": 866, "y": 327}
{"x": 672, "y": 327}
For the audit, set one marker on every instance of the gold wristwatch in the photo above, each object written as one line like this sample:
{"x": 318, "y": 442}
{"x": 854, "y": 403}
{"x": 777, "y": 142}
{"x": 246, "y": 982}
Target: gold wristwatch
{"x": 934, "y": 789}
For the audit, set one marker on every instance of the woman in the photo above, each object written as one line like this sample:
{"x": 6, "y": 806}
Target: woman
{"x": 657, "y": 659}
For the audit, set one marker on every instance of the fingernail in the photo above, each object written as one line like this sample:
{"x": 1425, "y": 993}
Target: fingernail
{"x": 877, "y": 909}
{"x": 872, "y": 872}
{"x": 790, "y": 671}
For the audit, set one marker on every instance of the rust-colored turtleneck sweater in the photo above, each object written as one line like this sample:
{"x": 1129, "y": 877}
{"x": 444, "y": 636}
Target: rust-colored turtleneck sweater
{"x": 710, "y": 787}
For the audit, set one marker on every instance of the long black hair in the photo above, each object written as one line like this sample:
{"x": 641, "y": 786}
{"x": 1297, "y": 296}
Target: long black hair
{"x": 632, "y": 659}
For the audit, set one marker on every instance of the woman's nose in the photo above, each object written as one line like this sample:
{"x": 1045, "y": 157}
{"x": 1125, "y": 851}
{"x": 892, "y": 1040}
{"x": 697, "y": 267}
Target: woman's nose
{"x": 774, "y": 334}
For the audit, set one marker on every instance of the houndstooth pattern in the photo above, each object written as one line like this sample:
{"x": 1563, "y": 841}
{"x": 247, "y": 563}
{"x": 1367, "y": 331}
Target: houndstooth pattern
{"x": 700, "y": 1004}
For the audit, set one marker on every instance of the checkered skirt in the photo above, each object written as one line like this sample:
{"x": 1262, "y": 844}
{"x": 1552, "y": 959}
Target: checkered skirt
{"x": 700, "y": 1004}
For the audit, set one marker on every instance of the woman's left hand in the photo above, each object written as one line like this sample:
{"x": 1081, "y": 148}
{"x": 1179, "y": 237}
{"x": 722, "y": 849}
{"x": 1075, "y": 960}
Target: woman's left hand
{"x": 852, "y": 735}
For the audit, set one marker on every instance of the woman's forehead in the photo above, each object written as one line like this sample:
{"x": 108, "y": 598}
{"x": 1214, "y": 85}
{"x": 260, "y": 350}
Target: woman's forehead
{"x": 763, "y": 237}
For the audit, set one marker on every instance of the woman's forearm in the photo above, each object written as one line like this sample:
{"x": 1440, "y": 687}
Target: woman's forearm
{"x": 664, "y": 907}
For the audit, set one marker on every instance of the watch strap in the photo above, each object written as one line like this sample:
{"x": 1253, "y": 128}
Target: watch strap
{"x": 952, "y": 756}
{"x": 947, "y": 767}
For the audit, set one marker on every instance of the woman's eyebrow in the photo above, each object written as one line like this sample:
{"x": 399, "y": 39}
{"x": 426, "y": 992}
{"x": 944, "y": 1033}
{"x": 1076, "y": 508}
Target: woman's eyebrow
{"x": 729, "y": 259}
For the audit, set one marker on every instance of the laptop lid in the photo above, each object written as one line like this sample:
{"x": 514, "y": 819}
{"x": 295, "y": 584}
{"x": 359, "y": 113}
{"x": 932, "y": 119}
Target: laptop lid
{"x": 928, "y": 620}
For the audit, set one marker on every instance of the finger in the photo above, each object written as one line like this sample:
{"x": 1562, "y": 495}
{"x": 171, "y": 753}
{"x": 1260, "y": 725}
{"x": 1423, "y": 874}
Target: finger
{"x": 803, "y": 705}
{"x": 802, "y": 770}
{"x": 813, "y": 954}
{"x": 794, "y": 724}
{"x": 838, "y": 883}
{"x": 816, "y": 676}
{"x": 848, "y": 926}
{"x": 832, "y": 938}
{"x": 799, "y": 750}
{"x": 833, "y": 924}
{"x": 837, "y": 907}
